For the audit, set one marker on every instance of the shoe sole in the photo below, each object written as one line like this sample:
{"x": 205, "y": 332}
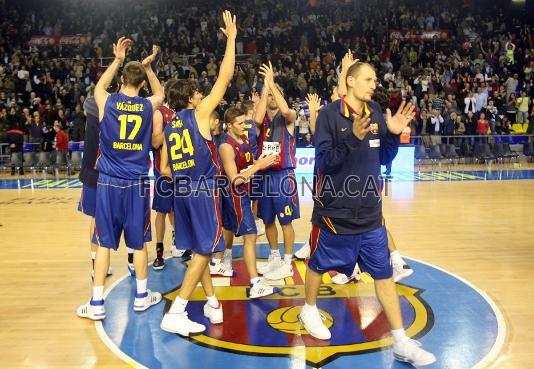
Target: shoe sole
{"x": 281, "y": 277}
{"x": 275, "y": 291}
{"x": 404, "y": 359}
{"x": 311, "y": 334}
{"x": 171, "y": 330}
{"x": 401, "y": 276}
{"x": 96, "y": 318}
{"x": 143, "y": 308}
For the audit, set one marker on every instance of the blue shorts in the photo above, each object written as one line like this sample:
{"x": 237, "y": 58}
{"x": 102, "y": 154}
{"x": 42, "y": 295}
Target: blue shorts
{"x": 279, "y": 197}
{"x": 122, "y": 204}
{"x": 341, "y": 252}
{"x": 163, "y": 194}
{"x": 87, "y": 204}
{"x": 198, "y": 222}
{"x": 237, "y": 214}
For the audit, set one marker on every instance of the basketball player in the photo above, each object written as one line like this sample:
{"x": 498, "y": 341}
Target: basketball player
{"x": 353, "y": 140}
{"x": 190, "y": 157}
{"x": 400, "y": 269}
{"x": 239, "y": 167}
{"x": 163, "y": 190}
{"x": 279, "y": 188}
{"x": 89, "y": 175}
{"x": 122, "y": 198}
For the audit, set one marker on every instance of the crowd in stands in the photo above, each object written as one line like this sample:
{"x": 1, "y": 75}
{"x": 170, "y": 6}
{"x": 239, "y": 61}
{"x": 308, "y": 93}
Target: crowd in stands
{"x": 473, "y": 76}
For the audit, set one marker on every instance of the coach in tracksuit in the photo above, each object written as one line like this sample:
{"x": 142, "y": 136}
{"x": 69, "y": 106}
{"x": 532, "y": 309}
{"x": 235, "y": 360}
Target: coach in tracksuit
{"x": 352, "y": 140}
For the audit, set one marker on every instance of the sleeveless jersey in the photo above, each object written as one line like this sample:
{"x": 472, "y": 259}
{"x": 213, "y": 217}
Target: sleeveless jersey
{"x": 190, "y": 154}
{"x": 252, "y": 136}
{"x": 125, "y": 137}
{"x": 167, "y": 114}
{"x": 276, "y": 131}
{"x": 243, "y": 156}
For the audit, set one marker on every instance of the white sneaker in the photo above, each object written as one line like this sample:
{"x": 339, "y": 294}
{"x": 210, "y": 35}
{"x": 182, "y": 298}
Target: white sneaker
{"x": 341, "y": 278}
{"x": 215, "y": 315}
{"x": 227, "y": 259}
{"x": 281, "y": 270}
{"x": 108, "y": 274}
{"x": 260, "y": 227}
{"x": 93, "y": 310}
{"x": 271, "y": 264}
{"x": 131, "y": 269}
{"x": 146, "y": 300}
{"x": 401, "y": 271}
{"x": 313, "y": 322}
{"x": 260, "y": 289}
{"x": 181, "y": 324}
{"x": 304, "y": 252}
{"x": 410, "y": 351}
{"x": 218, "y": 268}
{"x": 179, "y": 253}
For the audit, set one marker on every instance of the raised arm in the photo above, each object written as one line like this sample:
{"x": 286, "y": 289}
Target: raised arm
{"x": 346, "y": 63}
{"x": 226, "y": 72}
{"x": 314, "y": 103}
{"x": 267, "y": 72}
{"x": 158, "y": 96}
{"x": 101, "y": 95}
{"x": 261, "y": 106}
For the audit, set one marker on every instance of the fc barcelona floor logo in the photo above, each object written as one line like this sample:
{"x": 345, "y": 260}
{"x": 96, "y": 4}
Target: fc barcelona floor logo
{"x": 458, "y": 323}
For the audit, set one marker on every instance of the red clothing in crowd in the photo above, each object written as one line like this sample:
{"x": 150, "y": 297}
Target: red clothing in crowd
{"x": 482, "y": 127}
{"x": 62, "y": 141}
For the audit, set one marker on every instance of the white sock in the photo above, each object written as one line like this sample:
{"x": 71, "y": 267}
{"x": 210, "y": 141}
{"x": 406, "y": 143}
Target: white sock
{"x": 228, "y": 253}
{"x": 213, "y": 302}
{"x": 396, "y": 258}
{"x": 141, "y": 285}
{"x": 178, "y": 306}
{"x": 255, "y": 280}
{"x": 275, "y": 254}
{"x": 398, "y": 335}
{"x": 129, "y": 250}
{"x": 309, "y": 307}
{"x": 98, "y": 292}
{"x": 288, "y": 258}
{"x": 93, "y": 255}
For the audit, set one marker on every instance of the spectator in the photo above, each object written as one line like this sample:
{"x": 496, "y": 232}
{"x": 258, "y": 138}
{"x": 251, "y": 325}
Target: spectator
{"x": 522, "y": 104}
{"x": 482, "y": 125}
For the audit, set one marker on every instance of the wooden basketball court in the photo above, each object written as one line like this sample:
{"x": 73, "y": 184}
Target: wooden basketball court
{"x": 478, "y": 230}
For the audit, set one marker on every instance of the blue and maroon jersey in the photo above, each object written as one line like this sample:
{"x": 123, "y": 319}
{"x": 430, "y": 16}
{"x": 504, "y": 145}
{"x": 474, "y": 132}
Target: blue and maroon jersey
{"x": 167, "y": 114}
{"x": 252, "y": 136}
{"x": 243, "y": 156}
{"x": 125, "y": 137}
{"x": 190, "y": 154}
{"x": 276, "y": 131}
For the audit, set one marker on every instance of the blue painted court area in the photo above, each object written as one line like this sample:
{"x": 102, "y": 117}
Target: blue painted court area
{"x": 445, "y": 176}
{"x": 439, "y": 309}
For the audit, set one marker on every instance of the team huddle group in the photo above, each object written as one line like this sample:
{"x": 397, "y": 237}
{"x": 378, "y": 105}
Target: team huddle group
{"x": 353, "y": 137}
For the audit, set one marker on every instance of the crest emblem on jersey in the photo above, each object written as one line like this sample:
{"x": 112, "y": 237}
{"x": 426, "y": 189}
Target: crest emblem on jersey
{"x": 270, "y": 326}
{"x": 374, "y": 128}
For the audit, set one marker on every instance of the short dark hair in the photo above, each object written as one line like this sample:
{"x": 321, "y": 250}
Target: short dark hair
{"x": 185, "y": 89}
{"x": 248, "y": 105}
{"x": 133, "y": 74}
{"x": 381, "y": 96}
{"x": 170, "y": 92}
{"x": 231, "y": 114}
